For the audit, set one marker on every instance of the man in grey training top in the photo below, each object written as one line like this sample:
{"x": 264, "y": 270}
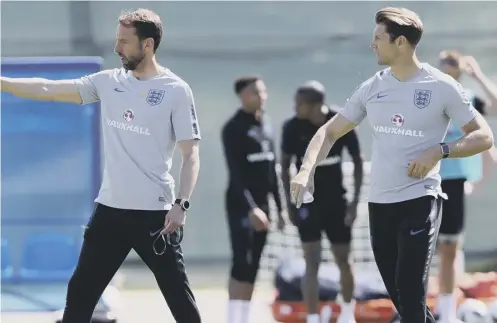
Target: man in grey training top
{"x": 409, "y": 106}
{"x": 146, "y": 109}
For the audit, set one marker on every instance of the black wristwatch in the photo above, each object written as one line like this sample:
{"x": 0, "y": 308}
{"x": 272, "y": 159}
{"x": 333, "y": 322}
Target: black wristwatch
{"x": 444, "y": 148}
{"x": 183, "y": 203}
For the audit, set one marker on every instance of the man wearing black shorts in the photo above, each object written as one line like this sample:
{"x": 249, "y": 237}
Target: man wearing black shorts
{"x": 459, "y": 177}
{"x": 409, "y": 106}
{"x": 329, "y": 212}
{"x": 146, "y": 110}
{"x": 249, "y": 150}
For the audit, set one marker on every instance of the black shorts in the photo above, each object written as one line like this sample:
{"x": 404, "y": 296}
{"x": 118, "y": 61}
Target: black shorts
{"x": 247, "y": 244}
{"x": 453, "y": 210}
{"x": 324, "y": 215}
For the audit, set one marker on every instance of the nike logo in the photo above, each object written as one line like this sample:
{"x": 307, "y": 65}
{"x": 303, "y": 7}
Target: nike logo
{"x": 118, "y": 90}
{"x": 156, "y": 232}
{"x": 379, "y": 95}
{"x": 413, "y": 233}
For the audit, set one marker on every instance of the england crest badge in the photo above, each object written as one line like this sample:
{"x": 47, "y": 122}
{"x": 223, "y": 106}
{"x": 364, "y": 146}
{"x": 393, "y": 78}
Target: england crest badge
{"x": 155, "y": 97}
{"x": 422, "y": 98}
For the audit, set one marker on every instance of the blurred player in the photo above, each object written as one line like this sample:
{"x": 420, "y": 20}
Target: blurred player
{"x": 329, "y": 212}
{"x": 409, "y": 106}
{"x": 146, "y": 110}
{"x": 249, "y": 150}
{"x": 457, "y": 174}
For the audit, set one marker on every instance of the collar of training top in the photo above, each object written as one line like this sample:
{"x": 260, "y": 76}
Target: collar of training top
{"x": 250, "y": 115}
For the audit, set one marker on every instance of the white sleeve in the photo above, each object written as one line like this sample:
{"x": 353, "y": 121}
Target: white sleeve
{"x": 458, "y": 107}
{"x": 184, "y": 115}
{"x": 88, "y": 86}
{"x": 355, "y": 107}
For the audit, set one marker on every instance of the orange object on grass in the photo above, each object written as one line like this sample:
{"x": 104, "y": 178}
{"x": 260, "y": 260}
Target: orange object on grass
{"x": 379, "y": 310}
{"x": 482, "y": 286}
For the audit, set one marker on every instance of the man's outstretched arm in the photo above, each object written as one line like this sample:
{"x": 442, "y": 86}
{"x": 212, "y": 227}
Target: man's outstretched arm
{"x": 318, "y": 149}
{"x": 42, "y": 89}
{"x": 323, "y": 140}
{"x": 349, "y": 117}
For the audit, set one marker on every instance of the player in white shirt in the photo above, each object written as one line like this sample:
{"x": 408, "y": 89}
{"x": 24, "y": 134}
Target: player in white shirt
{"x": 409, "y": 106}
{"x": 145, "y": 111}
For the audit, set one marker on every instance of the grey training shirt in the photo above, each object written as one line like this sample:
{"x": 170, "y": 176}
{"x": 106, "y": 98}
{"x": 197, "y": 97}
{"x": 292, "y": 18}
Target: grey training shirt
{"x": 141, "y": 122}
{"x": 407, "y": 118}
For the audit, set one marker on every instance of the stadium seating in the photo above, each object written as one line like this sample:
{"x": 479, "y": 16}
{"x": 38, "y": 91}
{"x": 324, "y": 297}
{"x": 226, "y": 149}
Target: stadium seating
{"x": 48, "y": 257}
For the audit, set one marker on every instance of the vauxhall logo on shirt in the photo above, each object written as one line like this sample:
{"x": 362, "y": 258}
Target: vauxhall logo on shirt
{"x": 398, "y": 129}
{"x": 128, "y": 116}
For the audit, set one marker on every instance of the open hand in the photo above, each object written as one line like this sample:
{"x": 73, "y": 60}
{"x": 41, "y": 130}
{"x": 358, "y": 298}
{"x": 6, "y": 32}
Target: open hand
{"x": 303, "y": 182}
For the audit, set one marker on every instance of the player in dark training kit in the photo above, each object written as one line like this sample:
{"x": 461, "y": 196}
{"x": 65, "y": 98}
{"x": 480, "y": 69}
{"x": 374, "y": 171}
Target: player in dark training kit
{"x": 249, "y": 150}
{"x": 329, "y": 212}
{"x": 409, "y": 106}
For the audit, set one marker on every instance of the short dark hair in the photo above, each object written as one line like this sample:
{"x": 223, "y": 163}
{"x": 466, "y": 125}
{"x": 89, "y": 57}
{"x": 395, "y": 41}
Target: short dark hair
{"x": 311, "y": 96}
{"x": 312, "y": 92}
{"x": 244, "y": 81}
{"x": 146, "y": 22}
{"x": 401, "y": 22}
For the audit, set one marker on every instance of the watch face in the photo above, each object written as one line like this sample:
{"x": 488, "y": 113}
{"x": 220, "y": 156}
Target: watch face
{"x": 445, "y": 150}
{"x": 186, "y": 205}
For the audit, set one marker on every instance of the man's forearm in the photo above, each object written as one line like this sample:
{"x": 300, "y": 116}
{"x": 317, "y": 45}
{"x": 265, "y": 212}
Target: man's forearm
{"x": 188, "y": 175}
{"x": 31, "y": 88}
{"x": 318, "y": 149}
{"x": 471, "y": 144}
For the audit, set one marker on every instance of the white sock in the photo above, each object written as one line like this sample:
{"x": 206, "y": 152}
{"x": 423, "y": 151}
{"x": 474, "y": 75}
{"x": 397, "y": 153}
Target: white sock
{"x": 326, "y": 314}
{"x": 234, "y": 310}
{"x": 347, "y": 310}
{"x": 312, "y": 318}
{"x": 447, "y": 307}
{"x": 244, "y": 311}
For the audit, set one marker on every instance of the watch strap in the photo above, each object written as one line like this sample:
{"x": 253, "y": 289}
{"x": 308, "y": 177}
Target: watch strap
{"x": 445, "y": 150}
{"x": 181, "y": 203}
